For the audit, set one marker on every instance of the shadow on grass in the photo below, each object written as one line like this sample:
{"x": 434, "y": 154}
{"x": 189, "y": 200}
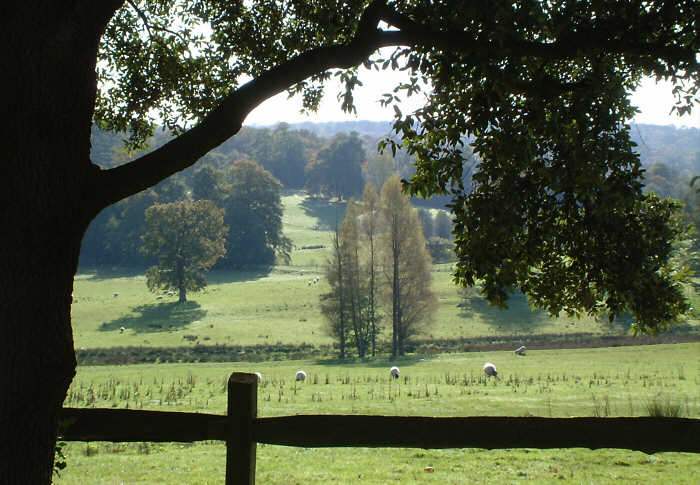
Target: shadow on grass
{"x": 517, "y": 318}
{"x": 99, "y": 273}
{"x": 327, "y": 213}
{"x": 250, "y": 273}
{"x": 157, "y": 317}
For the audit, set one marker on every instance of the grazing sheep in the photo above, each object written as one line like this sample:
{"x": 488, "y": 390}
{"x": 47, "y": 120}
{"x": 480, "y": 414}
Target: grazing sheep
{"x": 259, "y": 375}
{"x": 490, "y": 370}
{"x": 395, "y": 372}
{"x": 300, "y": 376}
{"x": 121, "y": 329}
{"x": 520, "y": 350}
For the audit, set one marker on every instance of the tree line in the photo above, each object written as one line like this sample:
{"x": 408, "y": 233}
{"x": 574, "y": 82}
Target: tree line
{"x": 336, "y": 167}
{"x": 247, "y": 196}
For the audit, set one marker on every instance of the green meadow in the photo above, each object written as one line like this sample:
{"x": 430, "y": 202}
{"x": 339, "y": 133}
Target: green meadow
{"x": 626, "y": 381}
{"x": 279, "y": 304}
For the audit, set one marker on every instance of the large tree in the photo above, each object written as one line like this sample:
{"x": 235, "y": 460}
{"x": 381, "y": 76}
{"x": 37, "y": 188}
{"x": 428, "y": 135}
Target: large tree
{"x": 254, "y": 216}
{"x": 186, "y": 238}
{"x": 541, "y": 86}
{"x": 337, "y": 170}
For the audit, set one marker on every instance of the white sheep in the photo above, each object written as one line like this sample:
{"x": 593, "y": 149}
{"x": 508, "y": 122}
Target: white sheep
{"x": 520, "y": 350}
{"x": 121, "y": 329}
{"x": 300, "y": 376}
{"x": 490, "y": 370}
{"x": 259, "y": 376}
{"x": 395, "y": 372}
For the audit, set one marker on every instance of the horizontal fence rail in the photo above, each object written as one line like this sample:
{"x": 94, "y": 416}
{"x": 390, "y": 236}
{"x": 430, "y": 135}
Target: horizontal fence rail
{"x": 242, "y": 430}
{"x": 130, "y": 425}
{"x": 642, "y": 434}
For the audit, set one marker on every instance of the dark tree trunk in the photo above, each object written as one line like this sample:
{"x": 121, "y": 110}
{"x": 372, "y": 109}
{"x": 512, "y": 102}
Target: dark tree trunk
{"x": 182, "y": 292}
{"x": 48, "y": 57}
{"x": 396, "y": 294}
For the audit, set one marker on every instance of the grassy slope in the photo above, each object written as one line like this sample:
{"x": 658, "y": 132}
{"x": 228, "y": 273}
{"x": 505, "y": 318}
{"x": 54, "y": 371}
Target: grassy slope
{"x": 276, "y": 306}
{"x": 583, "y": 382}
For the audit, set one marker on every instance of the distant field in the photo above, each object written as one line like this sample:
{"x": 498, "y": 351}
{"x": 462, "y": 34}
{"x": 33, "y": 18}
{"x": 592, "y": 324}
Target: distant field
{"x": 583, "y": 382}
{"x": 277, "y": 305}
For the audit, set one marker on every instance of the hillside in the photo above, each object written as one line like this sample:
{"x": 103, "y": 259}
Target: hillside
{"x": 280, "y": 305}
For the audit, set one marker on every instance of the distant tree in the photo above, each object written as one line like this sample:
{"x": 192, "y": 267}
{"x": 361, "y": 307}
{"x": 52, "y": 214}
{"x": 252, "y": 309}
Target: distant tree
{"x": 442, "y": 225}
{"x": 208, "y": 183}
{"x": 441, "y": 250}
{"x": 337, "y": 170}
{"x": 407, "y": 266}
{"x": 347, "y": 305}
{"x": 287, "y": 156}
{"x": 254, "y": 217}
{"x": 187, "y": 238}
{"x": 426, "y": 221}
{"x": 663, "y": 180}
{"x": 171, "y": 190}
{"x": 333, "y": 303}
{"x": 357, "y": 283}
{"x": 370, "y": 230}
{"x": 379, "y": 167}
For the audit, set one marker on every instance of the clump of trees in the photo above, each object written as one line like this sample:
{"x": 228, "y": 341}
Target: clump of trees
{"x": 254, "y": 217}
{"x": 337, "y": 170}
{"x": 249, "y": 195}
{"x": 187, "y": 238}
{"x": 379, "y": 265}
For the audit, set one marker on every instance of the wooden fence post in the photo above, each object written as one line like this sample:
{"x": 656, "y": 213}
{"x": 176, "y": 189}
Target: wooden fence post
{"x": 242, "y": 410}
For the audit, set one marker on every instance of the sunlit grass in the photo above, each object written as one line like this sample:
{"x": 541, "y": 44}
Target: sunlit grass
{"x": 558, "y": 383}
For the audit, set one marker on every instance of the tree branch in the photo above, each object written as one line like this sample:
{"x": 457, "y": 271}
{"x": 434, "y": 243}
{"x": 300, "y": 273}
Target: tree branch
{"x": 110, "y": 186}
{"x": 226, "y": 120}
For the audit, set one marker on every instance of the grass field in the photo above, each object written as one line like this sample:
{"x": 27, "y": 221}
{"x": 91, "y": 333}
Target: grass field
{"x": 278, "y": 304}
{"x": 627, "y": 381}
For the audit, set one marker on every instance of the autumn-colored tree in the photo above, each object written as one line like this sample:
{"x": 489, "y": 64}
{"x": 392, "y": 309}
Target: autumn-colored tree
{"x": 187, "y": 238}
{"x": 407, "y": 266}
{"x": 334, "y": 303}
{"x": 370, "y": 229}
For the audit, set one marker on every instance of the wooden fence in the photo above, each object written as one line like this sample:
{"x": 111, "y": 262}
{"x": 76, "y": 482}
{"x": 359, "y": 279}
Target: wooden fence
{"x": 242, "y": 430}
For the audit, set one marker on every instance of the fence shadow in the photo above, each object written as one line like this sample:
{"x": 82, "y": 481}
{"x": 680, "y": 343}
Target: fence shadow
{"x": 158, "y": 317}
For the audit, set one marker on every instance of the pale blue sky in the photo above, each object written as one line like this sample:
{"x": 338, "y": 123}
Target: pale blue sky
{"x": 654, "y": 101}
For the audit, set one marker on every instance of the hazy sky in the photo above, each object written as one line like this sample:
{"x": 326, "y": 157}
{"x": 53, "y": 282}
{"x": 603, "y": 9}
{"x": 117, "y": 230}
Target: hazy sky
{"x": 654, "y": 101}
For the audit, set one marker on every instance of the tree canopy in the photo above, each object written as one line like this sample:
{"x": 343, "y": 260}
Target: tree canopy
{"x": 187, "y": 238}
{"x": 254, "y": 217}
